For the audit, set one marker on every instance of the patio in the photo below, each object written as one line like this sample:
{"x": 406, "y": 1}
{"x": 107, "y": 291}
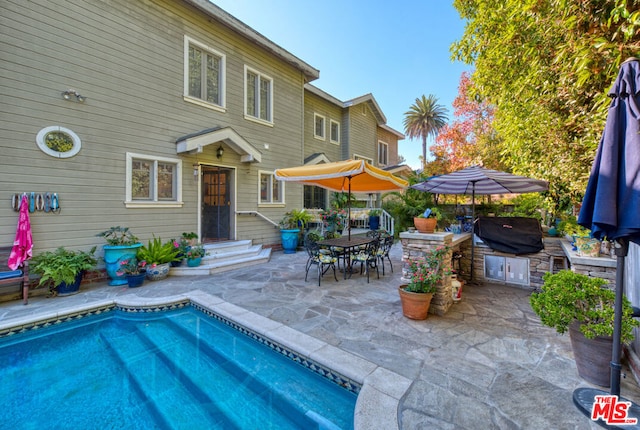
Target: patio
{"x": 487, "y": 363}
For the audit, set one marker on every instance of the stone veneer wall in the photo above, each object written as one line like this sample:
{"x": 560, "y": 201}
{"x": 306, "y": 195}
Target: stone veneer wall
{"x": 416, "y": 245}
{"x": 596, "y": 267}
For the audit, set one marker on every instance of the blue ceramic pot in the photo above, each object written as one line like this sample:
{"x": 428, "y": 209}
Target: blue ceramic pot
{"x": 135, "y": 280}
{"x": 65, "y": 289}
{"x": 160, "y": 271}
{"x": 113, "y": 255}
{"x": 194, "y": 262}
{"x": 289, "y": 240}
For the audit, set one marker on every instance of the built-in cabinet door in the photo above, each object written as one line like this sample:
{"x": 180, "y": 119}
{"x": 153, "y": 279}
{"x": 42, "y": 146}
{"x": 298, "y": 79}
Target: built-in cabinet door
{"x": 513, "y": 270}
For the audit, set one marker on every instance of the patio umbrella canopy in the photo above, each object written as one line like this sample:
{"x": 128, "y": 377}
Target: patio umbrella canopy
{"x": 478, "y": 180}
{"x": 344, "y": 176}
{"x": 610, "y": 207}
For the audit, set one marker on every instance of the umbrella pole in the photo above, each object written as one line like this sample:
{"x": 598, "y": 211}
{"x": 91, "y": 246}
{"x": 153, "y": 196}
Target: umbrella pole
{"x": 473, "y": 220}
{"x": 349, "y": 210}
{"x": 622, "y": 249}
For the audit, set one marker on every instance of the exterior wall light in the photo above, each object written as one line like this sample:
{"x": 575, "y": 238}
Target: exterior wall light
{"x": 220, "y": 152}
{"x": 70, "y": 93}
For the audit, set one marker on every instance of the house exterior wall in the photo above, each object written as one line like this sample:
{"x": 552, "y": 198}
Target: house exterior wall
{"x": 126, "y": 58}
{"x": 392, "y": 140}
{"x": 315, "y": 105}
{"x": 362, "y": 132}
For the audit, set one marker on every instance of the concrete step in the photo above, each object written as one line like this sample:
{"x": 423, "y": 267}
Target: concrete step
{"x": 225, "y": 256}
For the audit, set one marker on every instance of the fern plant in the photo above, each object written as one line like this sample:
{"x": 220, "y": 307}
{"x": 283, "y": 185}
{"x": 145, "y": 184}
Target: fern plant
{"x": 62, "y": 265}
{"x": 156, "y": 252}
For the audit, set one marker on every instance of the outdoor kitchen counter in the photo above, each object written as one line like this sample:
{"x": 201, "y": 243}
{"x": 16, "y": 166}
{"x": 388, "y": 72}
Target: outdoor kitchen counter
{"x": 597, "y": 267}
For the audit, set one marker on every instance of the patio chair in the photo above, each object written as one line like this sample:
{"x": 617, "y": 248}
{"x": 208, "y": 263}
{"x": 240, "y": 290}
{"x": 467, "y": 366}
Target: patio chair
{"x": 367, "y": 257}
{"x": 319, "y": 257}
{"x": 383, "y": 251}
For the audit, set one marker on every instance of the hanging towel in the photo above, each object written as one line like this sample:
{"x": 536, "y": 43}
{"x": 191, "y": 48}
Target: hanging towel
{"x": 23, "y": 244}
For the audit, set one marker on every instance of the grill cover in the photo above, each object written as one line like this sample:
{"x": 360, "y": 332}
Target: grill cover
{"x": 513, "y": 235}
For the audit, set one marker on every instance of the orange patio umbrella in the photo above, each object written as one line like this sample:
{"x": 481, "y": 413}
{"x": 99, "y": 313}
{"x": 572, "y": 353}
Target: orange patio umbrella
{"x": 344, "y": 176}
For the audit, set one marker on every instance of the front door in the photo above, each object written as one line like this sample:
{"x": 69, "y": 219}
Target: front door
{"x": 217, "y": 192}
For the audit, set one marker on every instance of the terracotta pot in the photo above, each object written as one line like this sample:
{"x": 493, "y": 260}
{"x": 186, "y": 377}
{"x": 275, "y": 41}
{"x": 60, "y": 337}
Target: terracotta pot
{"x": 425, "y": 225}
{"x": 592, "y": 356}
{"x": 414, "y": 305}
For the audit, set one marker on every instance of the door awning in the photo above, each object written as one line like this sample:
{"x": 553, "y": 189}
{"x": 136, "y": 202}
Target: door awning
{"x": 196, "y": 141}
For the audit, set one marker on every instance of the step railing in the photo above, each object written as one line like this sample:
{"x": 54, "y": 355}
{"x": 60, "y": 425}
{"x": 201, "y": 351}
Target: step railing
{"x": 258, "y": 214}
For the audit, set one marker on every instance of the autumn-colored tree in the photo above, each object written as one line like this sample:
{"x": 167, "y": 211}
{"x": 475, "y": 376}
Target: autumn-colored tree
{"x": 423, "y": 119}
{"x": 467, "y": 140}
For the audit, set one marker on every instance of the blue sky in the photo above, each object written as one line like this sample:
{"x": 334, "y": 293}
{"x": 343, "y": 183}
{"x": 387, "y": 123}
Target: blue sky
{"x": 395, "y": 50}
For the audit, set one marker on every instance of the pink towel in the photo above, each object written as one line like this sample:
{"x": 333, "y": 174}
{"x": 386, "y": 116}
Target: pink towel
{"x": 23, "y": 244}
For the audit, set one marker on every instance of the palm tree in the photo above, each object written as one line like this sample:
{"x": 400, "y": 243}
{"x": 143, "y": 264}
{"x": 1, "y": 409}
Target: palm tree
{"x": 425, "y": 118}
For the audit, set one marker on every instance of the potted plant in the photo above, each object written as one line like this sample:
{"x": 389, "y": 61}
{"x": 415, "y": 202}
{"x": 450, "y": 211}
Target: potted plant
{"x": 134, "y": 271}
{"x": 121, "y": 245}
{"x": 194, "y": 255}
{"x": 290, "y": 226}
{"x": 334, "y": 219}
{"x": 426, "y": 222}
{"x": 63, "y": 269}
{"x": 425, "y": 274}
{"x": 158, "y": 256}
{"x": 585, "y": 307}
{"x": 191, "y": 238}
{"x": 374, "y": 219}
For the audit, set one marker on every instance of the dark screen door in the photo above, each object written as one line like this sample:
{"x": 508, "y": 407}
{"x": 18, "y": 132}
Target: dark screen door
{"x": 216, "y": 204}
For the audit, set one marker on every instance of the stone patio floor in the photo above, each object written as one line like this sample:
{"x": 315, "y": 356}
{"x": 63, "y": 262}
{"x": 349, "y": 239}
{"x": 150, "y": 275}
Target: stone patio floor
{"x": 487, "y": 364}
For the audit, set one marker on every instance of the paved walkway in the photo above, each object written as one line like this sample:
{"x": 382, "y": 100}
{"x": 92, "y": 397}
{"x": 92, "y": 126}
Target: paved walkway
{"x": 487, "y": 364}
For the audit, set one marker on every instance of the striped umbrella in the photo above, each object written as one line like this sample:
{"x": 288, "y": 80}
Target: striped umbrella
{"x": 478, "y": 180}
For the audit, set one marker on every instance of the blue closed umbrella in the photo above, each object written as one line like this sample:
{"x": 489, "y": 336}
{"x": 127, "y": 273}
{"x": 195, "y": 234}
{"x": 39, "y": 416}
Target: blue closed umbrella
{"x": 611, "y": 205}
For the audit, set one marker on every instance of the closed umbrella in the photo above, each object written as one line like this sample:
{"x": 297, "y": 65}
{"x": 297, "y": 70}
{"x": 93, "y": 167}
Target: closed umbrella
{"x": 610, "y": 207}
{"x": 478, "y": 180}
{"x": 344, "y": 176}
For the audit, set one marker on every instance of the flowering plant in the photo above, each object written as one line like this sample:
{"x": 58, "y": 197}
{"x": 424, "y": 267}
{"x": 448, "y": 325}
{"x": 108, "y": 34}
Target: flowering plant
{"x": 182, "y": 245}
{"x": 426, "y": 272}
{"x": 132, "y": 267}
{"x": 335, "y": 217}
{"x": 195, "y": 251}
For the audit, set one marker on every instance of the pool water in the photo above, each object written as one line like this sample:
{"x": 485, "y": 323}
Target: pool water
{"x": 178, "y": 369}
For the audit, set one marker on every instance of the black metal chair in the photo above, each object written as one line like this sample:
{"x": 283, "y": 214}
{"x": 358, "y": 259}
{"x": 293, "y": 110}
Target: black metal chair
{"x": 383, "y": 251}
{"x": 367, "y": 257}
{"x": 322, "y": 258}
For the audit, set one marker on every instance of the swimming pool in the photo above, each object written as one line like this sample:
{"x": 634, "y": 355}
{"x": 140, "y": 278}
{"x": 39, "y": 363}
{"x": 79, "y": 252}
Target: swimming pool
{"x": 171, "y": 369}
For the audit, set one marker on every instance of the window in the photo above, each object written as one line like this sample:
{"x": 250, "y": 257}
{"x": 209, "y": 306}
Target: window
{"x": 334, "y": 135}
{"x": 204, "y": 74}
{"x": 258, "y": 96}
{"x": 383, "y": 153}
{"x": 318, "y": 126}
{"x": 360, "y": 157}
{"x": 153, "y": 181}
{"x": 315, "y": 197}
{"x": 271, "y": 190}
{"x": 59, "y": 142}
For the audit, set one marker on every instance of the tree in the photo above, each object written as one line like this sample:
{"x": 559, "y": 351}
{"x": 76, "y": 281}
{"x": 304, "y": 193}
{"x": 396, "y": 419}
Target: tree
{"x": 423, "y": 119}
{"x": 547, "y": 66}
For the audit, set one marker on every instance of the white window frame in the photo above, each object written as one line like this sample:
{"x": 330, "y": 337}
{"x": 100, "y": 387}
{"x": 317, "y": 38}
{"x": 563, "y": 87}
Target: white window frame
{"x": 331, "y": 124}
{"x": 154, "y": 202}
{"x": 362, "y": 157}
{"x": 381, "y": 161}
{"x": 223, "y": 79}
{"x": 270, "y": 202}
{"x": 261, "y": 76}
{"x": 317, "y": 117}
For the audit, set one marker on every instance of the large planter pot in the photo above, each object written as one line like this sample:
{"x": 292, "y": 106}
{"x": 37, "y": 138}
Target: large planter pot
{"x": 593, "y": 356}
{"x": 160, "y": 271}
{"x": 588, "y": 247}
{"x": 414, "y": 305}
{"x": 65, "y": 289}
{"x": 289, "y": 240}
{"x": 425, "y": 225}
{"x": 135, "y": 281}
{"x": 374, "y": 222}
{"x": 113, "y": 255}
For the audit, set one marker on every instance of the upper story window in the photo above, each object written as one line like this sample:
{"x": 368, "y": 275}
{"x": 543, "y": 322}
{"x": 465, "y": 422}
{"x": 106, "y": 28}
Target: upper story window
{"x": 334, "y": 134}
{"x": 258, "y": 96}
{"x": 204, "y": 74}
{"x": 153, "y": 181}
{"x": 383, "y": 153}
{"x": 271, "y": 190}
{"x": 318, "y": 126}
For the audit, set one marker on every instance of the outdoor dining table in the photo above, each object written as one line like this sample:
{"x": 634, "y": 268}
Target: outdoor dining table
{"x": 347, "y": 244}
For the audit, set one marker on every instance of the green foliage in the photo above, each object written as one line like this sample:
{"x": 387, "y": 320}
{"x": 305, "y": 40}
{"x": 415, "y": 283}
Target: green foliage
{"x": 528, "y": 205}
{"x": 404, "y": 206}
{"x": 118, "y": 236}
{"x": 189, "y": 236}
{"x": 375, "y": 212}
{"x": 195, "y": 251}
{"x": 314, "y": 236}
{"x": 343, "y": 200}
{"x": 553, "y": 61}
{"x": 567, "y": 296}
{"x": 426, "y": 272}
{"x": 423, "y": 119}
{"x": 295, "y": 219}
{"x": 62, "y": 265}
{"x": 156, "y": 252}
{"x": 570, "y": 226}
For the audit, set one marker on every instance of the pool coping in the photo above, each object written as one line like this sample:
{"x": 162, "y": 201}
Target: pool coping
{"x": 377, "y": 404}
